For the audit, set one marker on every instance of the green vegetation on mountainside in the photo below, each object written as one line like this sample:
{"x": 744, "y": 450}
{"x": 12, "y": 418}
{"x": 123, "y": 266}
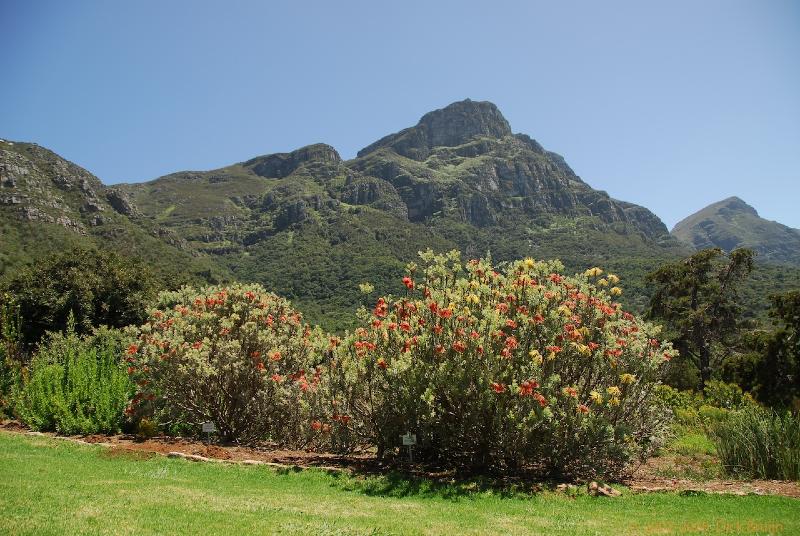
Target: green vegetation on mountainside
{"x": 311, "y": 226}
{"x": 732, "y": 223}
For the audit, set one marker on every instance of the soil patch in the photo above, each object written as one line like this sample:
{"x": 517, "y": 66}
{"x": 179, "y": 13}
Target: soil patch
{"x": 650, "y": 477}
{"x": 124, "y": 452}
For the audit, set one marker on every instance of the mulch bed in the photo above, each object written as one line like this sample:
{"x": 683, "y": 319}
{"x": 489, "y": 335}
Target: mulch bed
{"x": 643, "y": 479}
{"x": 647, "y": 478}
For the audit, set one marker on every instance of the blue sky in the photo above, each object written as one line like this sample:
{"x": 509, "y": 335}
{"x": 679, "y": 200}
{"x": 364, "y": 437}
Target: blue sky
{"x": 672, "y": 105}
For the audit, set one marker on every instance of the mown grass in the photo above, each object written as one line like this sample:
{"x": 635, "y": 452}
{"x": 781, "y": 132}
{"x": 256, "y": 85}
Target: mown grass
{"x": 55, "y": 487}
{"x": 693, "y": 443}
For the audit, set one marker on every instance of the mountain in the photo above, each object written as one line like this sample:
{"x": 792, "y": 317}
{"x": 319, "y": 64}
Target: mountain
{"x": 732, "y": 223}
{"x": 312, "y": 226}
{"x": 49, "y": 204}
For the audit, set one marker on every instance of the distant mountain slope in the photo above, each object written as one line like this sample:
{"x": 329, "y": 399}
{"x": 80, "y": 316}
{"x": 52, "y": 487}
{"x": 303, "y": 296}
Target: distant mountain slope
{"x": 48, "y": 204}
{"x": 732, "y": 223}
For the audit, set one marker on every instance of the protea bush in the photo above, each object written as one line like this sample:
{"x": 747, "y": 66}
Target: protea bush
{"x": 235, "y": 355}
{"x": 510, "y": 367}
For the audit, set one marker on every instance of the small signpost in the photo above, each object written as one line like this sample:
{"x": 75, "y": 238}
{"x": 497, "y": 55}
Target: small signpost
{"x": 209, "y": 428}
{"x": 409, "y": 440}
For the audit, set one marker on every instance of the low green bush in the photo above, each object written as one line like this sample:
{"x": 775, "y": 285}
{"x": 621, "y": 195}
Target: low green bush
{"x": 75, "y": 385}
{"x": 711, "y": 415}
{"x": 695, "y": 411}
{"x": 759, "y": 443}
{"x": 676, "y": 399}
{"x": 726, "y": 395}
{"x": 693, "y": 444}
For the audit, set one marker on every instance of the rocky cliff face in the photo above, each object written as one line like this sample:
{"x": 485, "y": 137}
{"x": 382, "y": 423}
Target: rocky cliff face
{"x": 284, "y": 164}
{"x": 38, "y": 185}
{"x": 732, "y": 223}
{"x": 449, "y": 127}
{"x": 48, "y": 204}
{"x": 463, "y": 161}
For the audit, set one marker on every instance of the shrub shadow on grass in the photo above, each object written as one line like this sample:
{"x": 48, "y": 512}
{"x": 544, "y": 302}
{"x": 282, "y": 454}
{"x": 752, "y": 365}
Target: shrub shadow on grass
{"x": 290, "y": 470}
{"x": 399, "y": 484}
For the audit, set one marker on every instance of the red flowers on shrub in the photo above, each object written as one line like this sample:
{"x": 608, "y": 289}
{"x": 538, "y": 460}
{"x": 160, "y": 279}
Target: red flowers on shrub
{"x": 475, "y": 325}
{"x": 526, "y": 388}
{"x": 196, "y": 364}
{"x": 381, "y": 308}
{"x": 539, "y": 397}
{"x": 498, "y": 387}
{"x": 511, "y": 342}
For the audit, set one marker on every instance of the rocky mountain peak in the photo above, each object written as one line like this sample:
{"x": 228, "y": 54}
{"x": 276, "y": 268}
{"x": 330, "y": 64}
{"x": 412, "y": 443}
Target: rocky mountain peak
{"x": 734, "y": 205}
{"x": 281, "y": 165}
{"x": 732, "y": 223}
{"x": 461, "y": 121}
{"x": 450, "y": 126}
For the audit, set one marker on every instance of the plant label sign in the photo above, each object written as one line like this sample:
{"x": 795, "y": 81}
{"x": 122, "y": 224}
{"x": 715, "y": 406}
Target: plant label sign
{"x": 409, "y": 439}
{"x": 209, "y": 427}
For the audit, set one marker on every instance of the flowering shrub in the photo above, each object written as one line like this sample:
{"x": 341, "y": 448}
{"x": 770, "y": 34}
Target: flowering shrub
{"x": 506, "y": 367}
{"x": 237, "y": 356}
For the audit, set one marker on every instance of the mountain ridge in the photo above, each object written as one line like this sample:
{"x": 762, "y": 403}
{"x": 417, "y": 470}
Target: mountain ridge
{"x": 732, "y": 223}
{"x": 312, "y": 226}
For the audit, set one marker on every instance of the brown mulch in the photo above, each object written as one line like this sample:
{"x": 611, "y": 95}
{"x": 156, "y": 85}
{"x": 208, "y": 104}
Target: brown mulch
{"x": 644, "y": 478}
{"x": 648, "y": 477}
{"x": 232, "y": 453}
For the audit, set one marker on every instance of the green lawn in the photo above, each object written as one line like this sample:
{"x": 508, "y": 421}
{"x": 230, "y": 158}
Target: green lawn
{"x": 49, "y": 486}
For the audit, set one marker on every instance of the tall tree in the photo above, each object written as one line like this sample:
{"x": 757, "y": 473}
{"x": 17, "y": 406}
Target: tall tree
{"x": 696, "y": 299}
{"x": 778, "y": 373}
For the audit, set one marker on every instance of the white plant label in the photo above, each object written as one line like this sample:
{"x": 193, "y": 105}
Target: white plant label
{"x": 409, "y": 439}
{"x": 209, "y": 427}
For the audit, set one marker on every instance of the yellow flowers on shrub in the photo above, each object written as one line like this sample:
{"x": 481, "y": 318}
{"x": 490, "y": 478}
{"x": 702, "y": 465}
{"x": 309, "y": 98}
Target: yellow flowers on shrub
{"x": 515, "y": 379}
{"x": 627, "y": 378}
